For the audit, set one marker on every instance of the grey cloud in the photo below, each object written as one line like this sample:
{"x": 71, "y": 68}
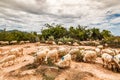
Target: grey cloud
{"x": 40, "y": 7}
{"x": 108, "y": 3}
{"x": 35, "y": 8}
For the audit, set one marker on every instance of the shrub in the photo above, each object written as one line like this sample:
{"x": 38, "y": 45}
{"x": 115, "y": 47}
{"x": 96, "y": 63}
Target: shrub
{"x": 42, "y": 40}
{"x": 79, "y": 57}
{"x": 51, "y": 38}
{"x": 65, "y": 40}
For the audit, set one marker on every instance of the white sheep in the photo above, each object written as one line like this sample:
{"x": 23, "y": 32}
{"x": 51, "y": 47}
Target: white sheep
{"x": 69, "y": 43}
{"x": 53, "y": 42}
{"x": 100, "y": 46}
{"x": 60, "y": 43}
{"x": 50, "y": 42}
{"x": 4, "y": 42}
{"x": 98, "y": 51}
{"x": 74, "y": 52}
{"x": 109, "y": 51}
{"x": 65, "y": 61}
{"x": 115, "y": 51}
{"x": 21, "y": 42}
{"x": 117, "y": 59}
{"x": 37, "y": 44}
{"x": 13, "y": 42}
{"x": 52, "y": 54}
{"x": 75, "y": 44}
{"x": 16, "y": 51}
{"x": 62, "y": 51}
{"x": 41, "y": 54}
{"x": 107, "y": 59}
{"x": 27, "y": 41}
{"x": 89, "y": 55}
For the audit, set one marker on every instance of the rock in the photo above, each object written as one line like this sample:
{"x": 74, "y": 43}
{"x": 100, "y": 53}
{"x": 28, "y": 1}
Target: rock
{"x": 48, "y": 72}
{"x": 28, "y": 72}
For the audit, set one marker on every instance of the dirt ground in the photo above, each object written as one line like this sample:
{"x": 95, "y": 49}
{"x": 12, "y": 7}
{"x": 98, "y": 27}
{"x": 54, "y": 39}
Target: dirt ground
{"x": 77, "y": 71}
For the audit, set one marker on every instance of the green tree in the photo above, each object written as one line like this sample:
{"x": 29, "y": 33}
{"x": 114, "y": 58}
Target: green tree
{"x": 106, "y": 34}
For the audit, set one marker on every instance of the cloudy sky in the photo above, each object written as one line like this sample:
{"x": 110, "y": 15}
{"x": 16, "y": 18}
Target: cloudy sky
{"x": 31, "y": 15}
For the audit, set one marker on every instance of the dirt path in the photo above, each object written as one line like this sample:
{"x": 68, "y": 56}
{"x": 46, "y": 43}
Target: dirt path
{"x": 97, "y": 70}
{"x": 23, "y": 61}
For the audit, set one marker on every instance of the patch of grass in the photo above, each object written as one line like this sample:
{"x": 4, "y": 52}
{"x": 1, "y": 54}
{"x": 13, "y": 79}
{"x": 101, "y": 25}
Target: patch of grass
{"x": 31, "y": 66}
{"x": 48, "y": 78}
{"x": 50, "y": 62}
{"x": 79, "y": 57}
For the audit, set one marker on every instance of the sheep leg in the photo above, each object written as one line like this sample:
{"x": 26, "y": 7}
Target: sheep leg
{"x": 103, "y": 62}
{"x": 69, "y": 63}
{"x": 84, "y": 59}
{"x": 53, "y": 60}
{"x": 92, "y": 60}
{"x": 109, "y": 66}
{"x": 46, "y": 59}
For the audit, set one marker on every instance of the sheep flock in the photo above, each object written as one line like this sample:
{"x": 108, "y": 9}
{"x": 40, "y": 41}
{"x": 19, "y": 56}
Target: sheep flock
{"x": 61, "y": 56}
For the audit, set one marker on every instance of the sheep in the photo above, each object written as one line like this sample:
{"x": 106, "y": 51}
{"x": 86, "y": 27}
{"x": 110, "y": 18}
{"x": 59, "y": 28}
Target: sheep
{"x": 48, "y": 42}
{"x": 109, "y": 51}
{"x": 13, "y": 42}
{"x": 21, "y": 42}
{"x": 100, "y": 46}
{"x": 41, "y": 54}
{"x": 117, "y": 59}
{"x": 89, "y": 55}
{"x": 98, "y": 51}
{"x": 75, "y": 44}
{"x": 69, "y": 43}
{"x": 60, "y": 43}
{"x": 53, "y": 43}
{"x": 96, "y": 42}
{"x": 106, "y": 45}
{"x": 62, "y": 51}
{"x": 74, "y": 52}
{"x": 107, "y": 59}
{"x": 111, "y": 62}
{"x": 37, "y": 44}
{"x": 65, "y": 61}
{"x": 17, "y": 51}
{"x": 4, "y": 42}
{"x": 27, "y": 41}
{"x": 115, "y": 51}
{"x": 53, "y": 54}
